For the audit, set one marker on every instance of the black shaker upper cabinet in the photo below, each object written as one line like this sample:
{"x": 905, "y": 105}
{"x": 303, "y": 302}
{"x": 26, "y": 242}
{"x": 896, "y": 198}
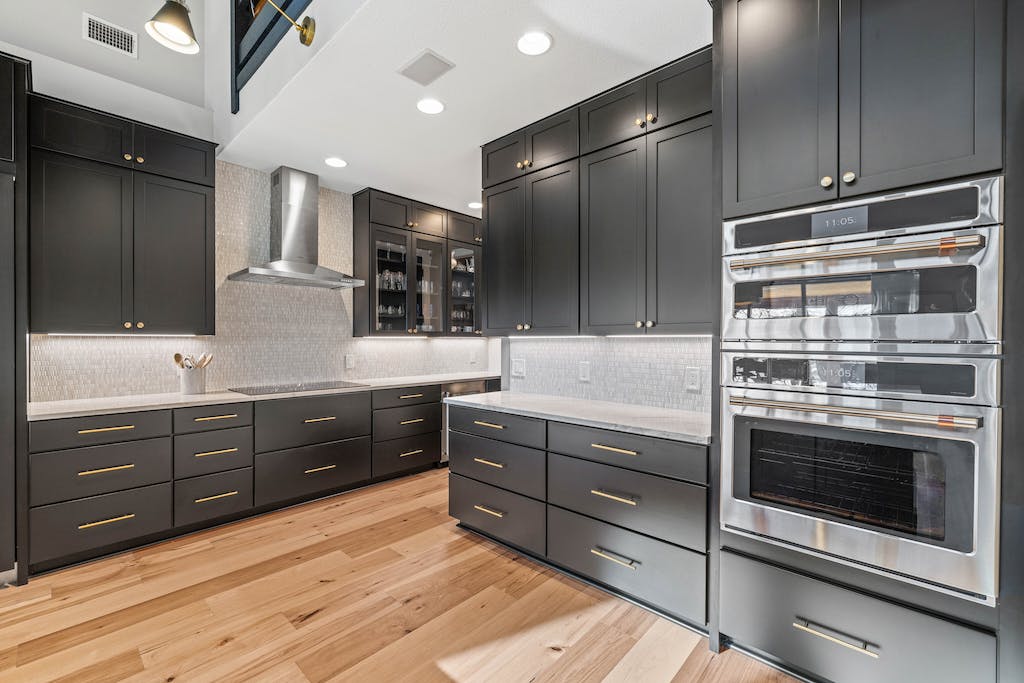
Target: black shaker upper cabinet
{"x": 463, "y": 228}
{"x": 63, "y": 127}
{"x": 7, "y": 101}
{"x": 542, "y": 144}
{"x": 679, "y": 91}
{"x": 176, "y": 156}
{"x": 505, "y": 258}
{"x": 552, "y": 234}
{"x": 613, "y": 117}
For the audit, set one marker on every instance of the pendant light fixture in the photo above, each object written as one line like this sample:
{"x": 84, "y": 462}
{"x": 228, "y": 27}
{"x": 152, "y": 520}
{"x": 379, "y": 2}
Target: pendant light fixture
{"x": 307, "y": 29}
{"x": 172, "y": 28}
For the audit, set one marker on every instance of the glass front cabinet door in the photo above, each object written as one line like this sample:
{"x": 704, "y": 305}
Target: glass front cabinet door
{"x": 463, "y": 317}
{"x": 426, "y": 294}
{"x": 391, "y": 311}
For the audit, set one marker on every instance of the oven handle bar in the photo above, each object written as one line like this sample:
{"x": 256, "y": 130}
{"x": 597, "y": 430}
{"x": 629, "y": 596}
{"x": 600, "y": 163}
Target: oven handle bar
{"x": 943, "y": 421}
{"x": 945, "y": 246}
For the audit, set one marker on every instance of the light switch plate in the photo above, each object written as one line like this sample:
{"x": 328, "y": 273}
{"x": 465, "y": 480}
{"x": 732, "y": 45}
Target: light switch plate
{"x": 350, "y": 361}
{"x": 691, "y": 379}
{"x": 519, "y": 367}
{"x": 584, "y": 373}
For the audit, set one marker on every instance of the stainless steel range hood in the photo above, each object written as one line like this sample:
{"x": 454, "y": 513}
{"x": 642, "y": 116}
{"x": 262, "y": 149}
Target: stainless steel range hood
{"x": 294, "y": 228}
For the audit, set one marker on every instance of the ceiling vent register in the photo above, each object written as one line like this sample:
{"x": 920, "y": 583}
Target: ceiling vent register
{"x": 111, "y": 36}
{"x": 426, "y": 68}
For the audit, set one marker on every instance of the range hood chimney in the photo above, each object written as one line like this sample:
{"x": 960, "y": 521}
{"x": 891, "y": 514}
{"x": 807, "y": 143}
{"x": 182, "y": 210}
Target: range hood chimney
{"x": 294, "y": 238}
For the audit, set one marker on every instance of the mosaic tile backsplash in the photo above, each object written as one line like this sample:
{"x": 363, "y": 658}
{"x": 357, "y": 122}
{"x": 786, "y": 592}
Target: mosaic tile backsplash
{"x": 265, "y": 333}
{"x": 644, "y": 371}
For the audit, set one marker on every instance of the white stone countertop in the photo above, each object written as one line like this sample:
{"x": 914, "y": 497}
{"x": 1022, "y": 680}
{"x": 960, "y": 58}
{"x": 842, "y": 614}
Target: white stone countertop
{"x": 53, "y": 410}
{"x": 664, "y": 423}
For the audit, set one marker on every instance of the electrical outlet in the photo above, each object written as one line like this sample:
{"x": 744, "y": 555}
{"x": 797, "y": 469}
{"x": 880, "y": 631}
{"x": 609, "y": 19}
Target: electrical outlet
{"x": 584, "y": 371}
{"x": 519, "y": 367}
{"x": 691, "y": 379}
{"x": 350, "y": 361}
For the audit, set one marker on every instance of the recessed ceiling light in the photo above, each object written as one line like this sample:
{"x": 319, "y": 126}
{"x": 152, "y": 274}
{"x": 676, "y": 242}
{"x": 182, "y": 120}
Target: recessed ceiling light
{"x": 335, "y": 162}
{"x": 428, "y": 105}
{"x": 534, "y": 43}
{"x": 475, "y": 205}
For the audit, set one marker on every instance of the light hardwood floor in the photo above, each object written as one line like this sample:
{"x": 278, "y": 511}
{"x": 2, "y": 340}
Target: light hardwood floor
{"x": 375, "y": 585}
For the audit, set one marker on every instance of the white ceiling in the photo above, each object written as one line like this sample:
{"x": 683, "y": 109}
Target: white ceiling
{"x": 349, "y": 100}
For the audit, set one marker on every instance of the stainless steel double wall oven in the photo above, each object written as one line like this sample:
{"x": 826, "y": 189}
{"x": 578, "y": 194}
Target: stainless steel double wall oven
{"x": 861, "y": 345}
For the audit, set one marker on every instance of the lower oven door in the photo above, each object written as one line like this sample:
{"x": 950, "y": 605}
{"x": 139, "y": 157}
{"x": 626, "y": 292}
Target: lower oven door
{"x": 904, "y": 487}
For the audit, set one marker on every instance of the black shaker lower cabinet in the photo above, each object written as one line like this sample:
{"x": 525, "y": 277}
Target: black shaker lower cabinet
{"x": 306, "y": 471}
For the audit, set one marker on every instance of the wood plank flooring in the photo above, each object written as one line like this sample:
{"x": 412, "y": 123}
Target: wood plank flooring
{"x": 375, "y": 585}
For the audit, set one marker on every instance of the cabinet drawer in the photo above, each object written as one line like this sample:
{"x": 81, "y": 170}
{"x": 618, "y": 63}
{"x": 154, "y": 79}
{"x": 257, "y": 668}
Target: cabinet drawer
{"x": 410, "y": 453}
{"x": 659, "y": 507}
{"x": 634, "y": 452}
{"x": 212, "y": 496}
{"x": 209, "y": 418}
{"x": 512, "y": 518}
{"x": 209, "y": 452}
{"x": 406, "y": 396}
{"x": 511, "y": 467}
{"x": 290, "y": 422}
{"x": 395, "y": 423}
{"x": 525, "y": 431}
{"x": 306, "y": 471}
{"x": 52, "y": 435}
{"x": 845, "y": 636}
{"x": 665, "y": 576}
{"x": 80, "y": 525}
{"x": 84, "y": 472}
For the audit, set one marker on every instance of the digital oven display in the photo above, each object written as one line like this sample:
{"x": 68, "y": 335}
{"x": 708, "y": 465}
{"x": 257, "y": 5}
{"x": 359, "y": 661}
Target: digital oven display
{"x": 847, "y": 221}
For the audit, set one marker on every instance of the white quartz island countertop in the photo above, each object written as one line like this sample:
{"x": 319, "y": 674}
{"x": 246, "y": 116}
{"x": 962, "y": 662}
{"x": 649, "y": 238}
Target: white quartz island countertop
{"x": 54, "y": 410}
{"x": 664, "y": 423}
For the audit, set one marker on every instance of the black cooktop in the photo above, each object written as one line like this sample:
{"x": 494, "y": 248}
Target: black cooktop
{"x": 298, "y": 386}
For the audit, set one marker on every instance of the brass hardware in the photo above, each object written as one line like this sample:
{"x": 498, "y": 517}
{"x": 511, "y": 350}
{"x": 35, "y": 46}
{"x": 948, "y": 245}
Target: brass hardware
{"x": 943, "y": 421}
{"x": 519, "y": 327}
{"x": 408, "y": 224}
{"x": 478, "y": 332}
{"x": 527, "y": 326}
{"x": 320, "y": 419}
{"x": 651, "y": 118}
{"x": 307, "y": 30}
{"x": 849, "y": 177}
{"x": 617, "y": 499}
{"x": 320, "y": 469}
{"x": 649, "y": 323}
{"x": 217, "y": 497}
{"x": 529, "y": 163}
{"x": 140, "y": 325}
{"x": 101, "y": 430}
{"x": 493, "y": 513}
{"x": 408, "y": 453}
{"x": 490, "y": 463}
{"x": 223, "y": 451}
{"x": 140, "y": 160}
{"x": 415, "y": 224}
{"x": 104, "y": 521}
{"x": 519, "y": 164}
{"x": 639, "y": 122}
{"x": 862, "y": 649}
{"x": 826, "y": 181}
{"x": 944, "y": 246}
{"x": 103, "y": 470}
{"x": 478, "y": 239}
{"x": 639, "y": 324}
{"x": 613, "y": 449}
{"x": 214, "y": 417}
{"x": 127, "y": 157}
{"x": 488, "y": 424}
{"x": 127, "y": 326}
{"x": 412, "y": 422}
{"x": 625, "y": 562}
{"x": 406, "y": 396}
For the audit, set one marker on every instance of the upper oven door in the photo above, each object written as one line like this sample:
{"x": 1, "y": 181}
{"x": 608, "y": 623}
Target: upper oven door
{"x": 938, "y": 287}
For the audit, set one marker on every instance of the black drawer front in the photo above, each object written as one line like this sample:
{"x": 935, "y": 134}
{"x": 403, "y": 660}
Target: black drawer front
{"x": 209, "y": 418}
{"x": 209, "y": 452}
{"x": 215, "y": 495}
{"x": 52, "y": 435}
{"x": 395, "y": 423}
{"x": 410, "y": 453}
{"x": 668, "y": 577}
{"x": 511, "y": 467}
{"x": 799, "y": 620}
{"x": 515, "y": 519}
{"x": 291, "y": 422}
{"x": 310, "y": 470}
{"x": 659, "y": 507}
{"x": 525, "y": 431}
{"x": 82, "y": 472}
{"x": 81, "y": 525}
{"x": 406, "y": 396}
{"x": 632, "y": 451}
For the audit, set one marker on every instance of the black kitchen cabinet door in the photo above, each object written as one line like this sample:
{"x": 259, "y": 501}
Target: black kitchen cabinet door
{"x": 426, "y": 294}
{"x": 553, "y": 140}
{"x": 920, "y": 95}
{"x": 552, "y": 233}
{"x": 505, "y": 258}
{"x": 64, "y": 127}
{"x": 780, "y": 101}
{"x": 7, "y": 99}
{"x": 176, "y": 156}
{"x": 463, "y": 228}
{"x": 503, "y": 159}
{"x": 680, "y": 253}
{"x": 463, "y": 291}
{"x": 386, "y": 209}
{"x": 392, "y": 275}
{"x": 680, "y": 91}
{"x": 429, "y": 219}
{"x": 613, "y": 117}
{"x": 613, "y": 208}
{"x": 173, "y": 280}
{"x": 80, "y": 245}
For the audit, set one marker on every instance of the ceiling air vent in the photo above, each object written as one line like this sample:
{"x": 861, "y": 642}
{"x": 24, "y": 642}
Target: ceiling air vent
{"x": 426, "y": 68}
{"x": 112, "y": 36}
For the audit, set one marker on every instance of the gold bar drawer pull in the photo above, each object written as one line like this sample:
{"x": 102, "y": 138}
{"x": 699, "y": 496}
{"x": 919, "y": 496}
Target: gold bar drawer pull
{"x": 412, "y": 422}
{"x": 210, "y": 418}
{"x": 320, "y": 469}
{"x": 104, "y": 470}
{"x": 612, "y": 496}
{"x": 207, "y": 499}
{"x": 490, "y": 463}
{"x": 825, "y": 633}
{"x": 489, "y": 511}
{"x": 223, "y": 451}
{"x": 329, "y": 418}
{"x": 105, "y": 521}
{"x": 101, "y": 430}
{"x": 488, "y": 424}
{"x": 613, "y": 449}
{"x": 408, "y": 396}
{"x": 407, "y": 454}
{"x": 615, "y": 557}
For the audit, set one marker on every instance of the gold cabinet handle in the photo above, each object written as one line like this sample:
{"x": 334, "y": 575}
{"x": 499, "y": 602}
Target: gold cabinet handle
{"x": 103, "y": 470}
{"x": 140, "y": 325}
{"x": 412, "y": 422}
{"x": 613, "y": 449}
{"x": 127, "y": 325}
{"x": 649, "y": 323}
{"x": 519, "y": 164}
{"x": 612, "y": 496}
{"x": 102, "y": 430}
{"x": 320, "y": 469}
{"x": 105, "y": 521}
{"x": 210, "y": 418}
{"x": 639, "y": 122}
{"x": 519, "y": 327}
{"x": 488, "y": 424}
{"x": 329, "y": 418}
{"x": 860, "y": 647}
{"x": 651, "y": 118}
{"x": 638, "y": 324}
{"x": 615, "y": 557}
{"x": 127, "y": 157}
{"x": 408, "y": 453}
{"x": 945, "y": 246}
{"x": 490, "y": 463}
{"x": 207, "y": 499}
{"x": 489, "y": 511}
{"x": 408, "y": 396}
{"x": 141, "y": 160}
{"x": 849, "y": 177}
{"x": 826, "y": 181}
{"x": 223, "y": 451}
